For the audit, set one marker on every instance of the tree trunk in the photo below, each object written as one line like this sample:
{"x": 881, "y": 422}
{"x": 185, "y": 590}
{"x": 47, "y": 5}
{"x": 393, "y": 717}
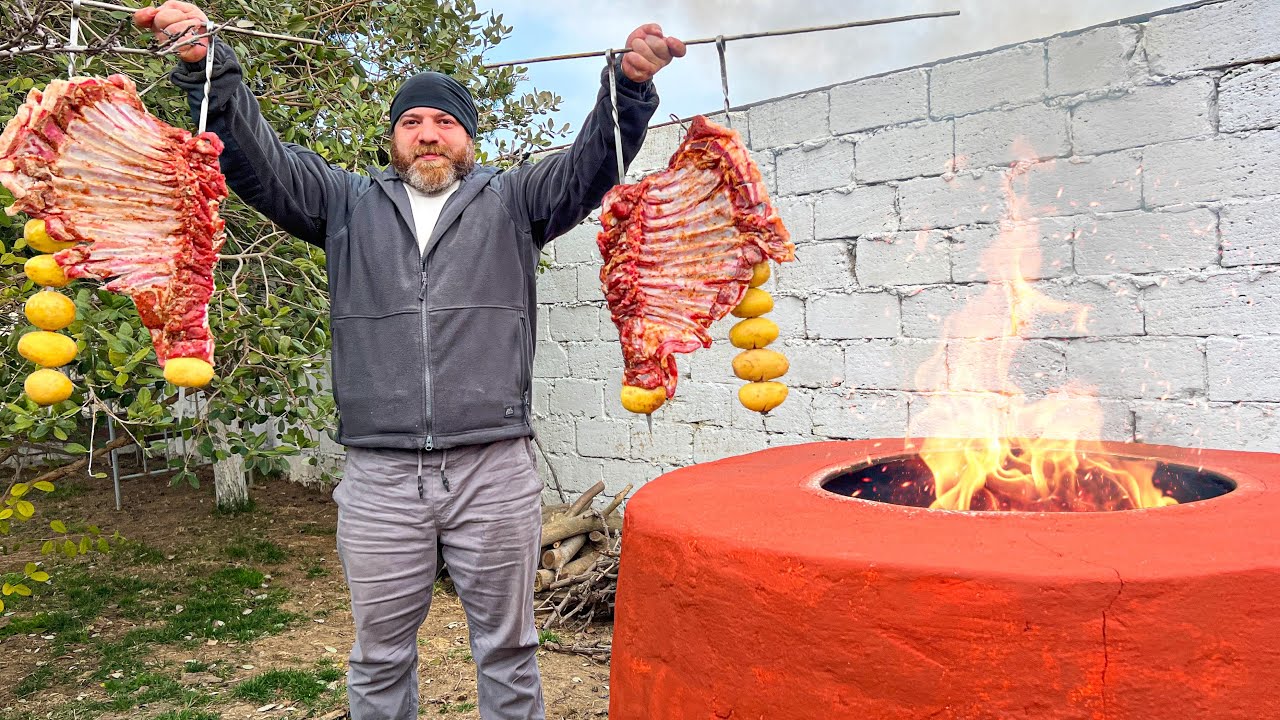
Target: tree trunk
{"x": 230, "y": 485}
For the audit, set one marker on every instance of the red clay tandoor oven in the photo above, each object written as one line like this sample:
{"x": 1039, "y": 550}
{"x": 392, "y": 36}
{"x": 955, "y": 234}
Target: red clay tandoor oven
{"x": 813, "y": 581}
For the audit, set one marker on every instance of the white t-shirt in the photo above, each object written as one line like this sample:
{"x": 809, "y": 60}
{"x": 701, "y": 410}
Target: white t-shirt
{"x": 426, "y": 211}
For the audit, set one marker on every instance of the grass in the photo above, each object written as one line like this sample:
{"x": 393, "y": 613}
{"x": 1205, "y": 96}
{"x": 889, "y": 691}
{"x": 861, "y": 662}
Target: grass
{"x": 257, "y": 550}
{"x": 302, "y": 686}
{"x": 457, "y": 708}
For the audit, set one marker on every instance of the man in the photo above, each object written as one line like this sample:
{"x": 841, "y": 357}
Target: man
{"x": 432, "y": 267}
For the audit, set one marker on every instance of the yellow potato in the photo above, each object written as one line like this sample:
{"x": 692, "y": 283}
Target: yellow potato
{"x": 44, "y": 270}
{"x": 188, "y": 372}
{"x": 759, "y": 365}
{"x": 37, "y": 237}
{"x": 759, "y": 274}
{"x": 47, "y": 349}
{"x": 643, "y": 400}
{"x": 754, "y": 304}
{"x": 753, "y": 333}
{"x": 47, "y": 387}
{"x": 762, "y": 397}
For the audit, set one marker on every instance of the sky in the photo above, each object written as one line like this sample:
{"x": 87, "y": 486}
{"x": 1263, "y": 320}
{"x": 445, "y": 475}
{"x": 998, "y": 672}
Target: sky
{"x": 764, "y": 68}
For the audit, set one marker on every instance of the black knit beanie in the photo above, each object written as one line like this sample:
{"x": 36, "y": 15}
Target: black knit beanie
{"x": 435, "y": 90}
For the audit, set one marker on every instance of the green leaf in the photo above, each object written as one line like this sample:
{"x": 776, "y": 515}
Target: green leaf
{"x": 25, "y": 509}
{"x": 47, "y": 547}
{"x": 58, "y": 526}
{"x": 22, "y": 590}
{"x": 102, "y": 545}
{"x": 85, "y": 545}
{"x": 6, "y": 513}
{"x": 19, "y": 489}
{"x": 68, "y": 548}
{"x": 43, "y": 485}
{"x": 29, "y": 568}
{"x": 40, "y": 576}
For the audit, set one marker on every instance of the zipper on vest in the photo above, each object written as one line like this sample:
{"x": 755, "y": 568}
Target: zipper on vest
{"x": 426, "y": 362}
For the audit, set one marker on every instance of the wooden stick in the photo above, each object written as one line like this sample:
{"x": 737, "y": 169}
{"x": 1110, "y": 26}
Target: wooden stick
{"x": 569, "y": 526}
{"x": 584, "y": 501}
{"x": 557, "y": 557}
{"x": 580, "y": 565}
{"x": 617, "y": 500}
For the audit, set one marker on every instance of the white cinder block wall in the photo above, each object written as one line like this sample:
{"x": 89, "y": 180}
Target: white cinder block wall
{"x": 1159, "y": 183}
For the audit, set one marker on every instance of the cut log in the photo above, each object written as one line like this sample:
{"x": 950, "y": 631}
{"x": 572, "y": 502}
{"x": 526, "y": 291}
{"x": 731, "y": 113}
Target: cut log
{"x": 558, "y": 556}
{"x": 569, "y": 526}
{"x": 579, "y": 565}
{"x": 551, "y": 511}
{"x": 543, "y": 579}
{"x": 596, "y": 536}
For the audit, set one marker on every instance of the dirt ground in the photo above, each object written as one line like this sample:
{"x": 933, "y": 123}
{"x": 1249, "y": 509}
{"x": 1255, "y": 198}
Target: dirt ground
{"x": 180, "y": 523}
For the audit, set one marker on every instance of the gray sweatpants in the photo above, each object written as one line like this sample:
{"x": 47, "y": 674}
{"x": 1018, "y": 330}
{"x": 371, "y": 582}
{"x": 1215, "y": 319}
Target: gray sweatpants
{"x": 481, "y": 504}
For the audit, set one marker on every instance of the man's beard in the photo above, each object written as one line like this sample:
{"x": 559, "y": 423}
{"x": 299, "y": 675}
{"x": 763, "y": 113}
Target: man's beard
{"x": 436, "y": 175}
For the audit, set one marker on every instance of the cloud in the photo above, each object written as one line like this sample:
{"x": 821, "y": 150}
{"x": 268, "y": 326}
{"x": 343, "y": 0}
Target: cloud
{"x": 763, "y": 68}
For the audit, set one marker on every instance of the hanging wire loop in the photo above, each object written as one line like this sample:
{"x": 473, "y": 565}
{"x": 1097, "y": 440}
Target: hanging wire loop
{"x": 724, "y": 80}
{"x": 74, "y": 38}
{"x": 613, "y": 102}
{"x": 208, "y": 77}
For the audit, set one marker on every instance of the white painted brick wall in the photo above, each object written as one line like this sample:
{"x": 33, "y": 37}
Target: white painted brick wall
{"x": 1155, "y": 204}
{"x": 906, "y": 152}
{"x": 1251, "y": 233}
{"x": 1095, "y": 59}
{"x": 881, "y": 101}
{"x": 1015, "y": 75}
{"x": 1002, "y": 136}
{"x": 1250, "y": 99}
{"x": 1147, "y": 115}
{"x": 1215, "y": 35}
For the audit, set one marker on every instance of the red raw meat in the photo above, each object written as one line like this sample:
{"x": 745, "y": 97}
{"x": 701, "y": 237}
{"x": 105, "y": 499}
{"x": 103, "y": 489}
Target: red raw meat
{"x": 679, "y": 247}
{"x": 139, "y": 196}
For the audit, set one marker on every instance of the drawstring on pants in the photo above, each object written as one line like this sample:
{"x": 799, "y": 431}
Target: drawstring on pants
{"x": 421, "y": 495}
{"x": 444, "y": 456}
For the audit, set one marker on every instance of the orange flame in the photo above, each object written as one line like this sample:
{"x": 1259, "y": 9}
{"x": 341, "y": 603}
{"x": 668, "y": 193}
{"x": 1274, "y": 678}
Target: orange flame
{"x": 989, "y": 446}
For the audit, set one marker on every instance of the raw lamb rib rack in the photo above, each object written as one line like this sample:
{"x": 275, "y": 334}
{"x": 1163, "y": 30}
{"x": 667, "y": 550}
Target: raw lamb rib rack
{"x": 140, "y": 198}
{"x": 679, "y": 247}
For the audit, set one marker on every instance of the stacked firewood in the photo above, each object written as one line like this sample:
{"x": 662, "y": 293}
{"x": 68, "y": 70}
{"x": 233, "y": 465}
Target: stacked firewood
{"x": 579, "y": 566}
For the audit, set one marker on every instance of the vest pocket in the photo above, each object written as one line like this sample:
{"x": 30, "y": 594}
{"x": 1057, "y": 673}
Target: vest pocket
{"x": 479, "y": 361}
{"x": 378, "y": 374}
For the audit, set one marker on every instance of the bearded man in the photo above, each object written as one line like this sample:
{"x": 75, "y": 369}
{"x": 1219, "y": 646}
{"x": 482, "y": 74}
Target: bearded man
{"x": 432, "y": 266}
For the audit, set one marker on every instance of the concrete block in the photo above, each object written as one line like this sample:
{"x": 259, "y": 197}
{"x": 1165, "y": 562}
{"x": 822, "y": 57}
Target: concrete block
{"x": 578, "y": 322}
{"x": 605, "y": 329}
{"x": 812, "y": 366}
{"x": 550, "y": 360}
{"x": 856, "y": 212}
{"x": 955, "y": 414}
{"x": 1106, "y": 183}
{"x": 596, "y": 360}
{"x": 1147, "y": 115}
{"x": 1026, "y": 367}
{"x": 1244, "y": 369}
{"x": 660, "y": 143}
{"x": 701, "y": 403}
{"x": 574, "y": 473}
{"x": 899, "y": 364}
{"x": 1139, "y": 242}
{"x": 916, "y": 258}
{"x": 618, "y": 474}
{"x": 1227, "y": 33}
{"x": 1067, "y": 417}
{"x": 541, "y": 397}
{"x": 1233, "y": 303}
{"x": 579, "y": 244}
{"x": 1216, "y": 169}
{"x": 1000, "y": 137}
{"x": 590, "y": 289}
{"x": 1249, "y": 99}
{"x": 603, "y": 438}
{"x": 815, "y": 166}
{"x": 1094, "y": 59}
{"x": 964, "y": 199}
{"x": 794, "y": 415}
{"x": 556, "y": 435}
{"x": 558, "y": 285}
{"x": 789, "y": 121}
{"x": 877, "y": 102}
{"x": 1031, "y": 250}
{"x": 859, "y": 415}
{"x": 542, "y": 329}
{"x": 797, "y": 216}
{"x": 1251, "y": 233}
{"x": 1148, "y": 368}
{"x": 766, "y": 163}
{"x": 1011, "y": 76}
{"x": 784, "y": 439}
{"x": 711, "y": 365}
{"x": 955, "y": 311}
{"x": 1220, "y": 426}
{"x": 853, "y": 315}
{"x": 716, "y": 443}
{"x": 578, "y": 397}
{"x": 920, "y": 150}
{"x": 789, "y": 314}
{"x": 670, "y": 443}
{"x": 826, "y": 265}
{"x": 1089, "y": 308}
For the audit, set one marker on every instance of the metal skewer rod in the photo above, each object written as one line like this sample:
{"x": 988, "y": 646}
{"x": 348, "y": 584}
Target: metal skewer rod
{"x": 744, "y": 36}
{"x": 230, "y": 28}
